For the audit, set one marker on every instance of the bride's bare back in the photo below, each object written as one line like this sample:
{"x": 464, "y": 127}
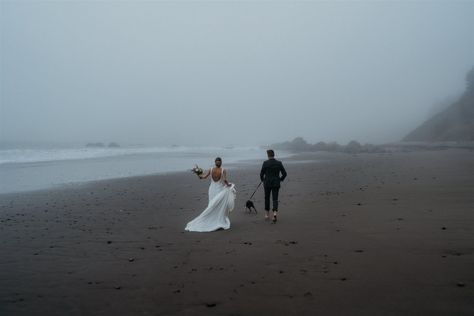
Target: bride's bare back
{"x": 217, "y": 174}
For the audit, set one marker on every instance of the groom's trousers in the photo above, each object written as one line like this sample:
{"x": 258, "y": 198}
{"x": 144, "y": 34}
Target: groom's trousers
{"x": 274, "y": 192}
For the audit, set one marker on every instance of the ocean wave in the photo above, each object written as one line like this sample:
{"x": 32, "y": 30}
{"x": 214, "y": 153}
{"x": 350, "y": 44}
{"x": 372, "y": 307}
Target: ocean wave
{"x": 58, "y": 154}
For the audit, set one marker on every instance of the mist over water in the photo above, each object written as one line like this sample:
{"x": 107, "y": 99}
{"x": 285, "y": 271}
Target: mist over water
{"x": 228, "y": 73}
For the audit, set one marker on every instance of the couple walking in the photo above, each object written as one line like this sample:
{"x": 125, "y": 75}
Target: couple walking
{"x": 222, "y": 195}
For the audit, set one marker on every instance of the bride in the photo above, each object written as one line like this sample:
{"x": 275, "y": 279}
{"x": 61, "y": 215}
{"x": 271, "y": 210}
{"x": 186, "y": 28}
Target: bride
{"x": 221, "y": 202}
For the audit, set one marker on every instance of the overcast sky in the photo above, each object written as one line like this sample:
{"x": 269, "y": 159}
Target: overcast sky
{"x": 228, "y": 72}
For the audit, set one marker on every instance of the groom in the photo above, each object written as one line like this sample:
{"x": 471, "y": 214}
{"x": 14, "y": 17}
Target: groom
{"x": 270, "y": 176}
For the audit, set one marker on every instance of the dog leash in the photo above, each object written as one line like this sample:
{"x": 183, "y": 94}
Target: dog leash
{"x": 255, "y": 190}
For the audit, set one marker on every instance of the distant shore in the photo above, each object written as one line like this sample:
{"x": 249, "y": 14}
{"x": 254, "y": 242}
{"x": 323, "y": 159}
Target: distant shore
{"x": 363, "y": 234}
{"x": 299, "y": 144}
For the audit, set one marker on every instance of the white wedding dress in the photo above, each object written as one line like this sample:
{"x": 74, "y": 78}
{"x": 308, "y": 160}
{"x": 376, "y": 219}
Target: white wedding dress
{"x": 215, "y": 216}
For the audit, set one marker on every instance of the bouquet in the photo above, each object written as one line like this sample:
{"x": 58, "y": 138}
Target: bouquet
{"x": 196, "y": 170}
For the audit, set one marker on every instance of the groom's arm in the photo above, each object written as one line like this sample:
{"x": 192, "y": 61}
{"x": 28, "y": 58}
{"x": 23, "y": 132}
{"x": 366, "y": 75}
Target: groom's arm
{"x": 262, "y": 172}
{"x": 283, "y": 172}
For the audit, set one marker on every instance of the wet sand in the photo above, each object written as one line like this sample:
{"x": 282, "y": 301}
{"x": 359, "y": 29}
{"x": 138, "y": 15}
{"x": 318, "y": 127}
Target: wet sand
{"x": 365, "y": 234}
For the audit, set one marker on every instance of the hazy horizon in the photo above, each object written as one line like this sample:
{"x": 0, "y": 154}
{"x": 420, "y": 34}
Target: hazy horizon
{"x": 228, "y": 73}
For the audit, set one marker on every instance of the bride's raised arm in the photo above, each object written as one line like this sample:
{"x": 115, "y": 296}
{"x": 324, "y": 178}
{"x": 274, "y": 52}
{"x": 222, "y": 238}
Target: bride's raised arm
{"x": 206, "y": 175}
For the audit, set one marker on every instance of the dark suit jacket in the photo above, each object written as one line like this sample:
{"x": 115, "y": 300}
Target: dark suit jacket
{"x": 270, "y": 173}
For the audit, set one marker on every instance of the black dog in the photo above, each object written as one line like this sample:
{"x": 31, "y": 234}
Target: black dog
{"x": 249, "y": 205}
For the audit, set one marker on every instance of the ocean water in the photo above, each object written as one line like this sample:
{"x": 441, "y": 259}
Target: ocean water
{"x": 25, "y": 168}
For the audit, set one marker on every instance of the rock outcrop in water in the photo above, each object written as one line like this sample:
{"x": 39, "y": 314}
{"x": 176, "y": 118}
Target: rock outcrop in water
{"x": 95, "y": 145}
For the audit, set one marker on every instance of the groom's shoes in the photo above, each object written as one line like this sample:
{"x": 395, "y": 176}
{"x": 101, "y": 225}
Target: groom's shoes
{"x": 274, "y": 220}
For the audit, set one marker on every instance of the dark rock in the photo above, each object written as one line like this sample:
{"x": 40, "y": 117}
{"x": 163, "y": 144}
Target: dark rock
{"x": 95, "y": 145}
{"x": 353, "y": 147}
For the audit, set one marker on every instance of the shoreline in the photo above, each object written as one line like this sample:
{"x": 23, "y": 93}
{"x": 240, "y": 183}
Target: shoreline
{"x": 29, "y": 176}
{"x": 83, "y": 184}
{"x": 289, "y": 156}
{"x": 244, "y": 163}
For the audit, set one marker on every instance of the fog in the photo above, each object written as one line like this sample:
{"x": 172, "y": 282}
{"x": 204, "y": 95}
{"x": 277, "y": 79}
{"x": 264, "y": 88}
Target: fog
{"x": 228, "y": 73}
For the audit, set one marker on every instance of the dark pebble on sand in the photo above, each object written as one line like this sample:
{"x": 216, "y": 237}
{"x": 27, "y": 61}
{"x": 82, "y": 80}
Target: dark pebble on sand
{"x": 131, "y": 259}
{"x": 109, "y": 242}
{"x": 118, "y": 287}
{"x": 443, "y": 228}
{"x": 461, "y": 284}
{"x": 211, "y": 304}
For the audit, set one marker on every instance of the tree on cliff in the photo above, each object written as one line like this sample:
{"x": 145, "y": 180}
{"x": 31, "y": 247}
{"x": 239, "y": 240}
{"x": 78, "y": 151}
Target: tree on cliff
{"x": 455, "y": 123}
